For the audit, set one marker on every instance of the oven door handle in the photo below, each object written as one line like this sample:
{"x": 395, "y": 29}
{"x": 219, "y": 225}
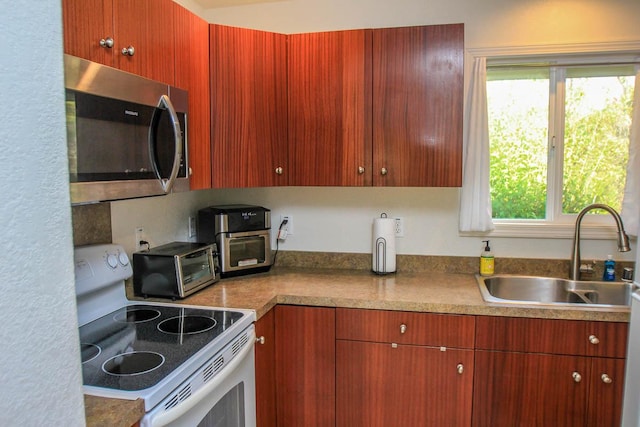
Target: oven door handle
{"x": 174, "y": 413}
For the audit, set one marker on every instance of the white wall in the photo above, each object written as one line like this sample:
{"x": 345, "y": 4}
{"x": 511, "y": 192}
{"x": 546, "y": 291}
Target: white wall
{"x": 339, "y": 219}
{"x": 40, "y": 358}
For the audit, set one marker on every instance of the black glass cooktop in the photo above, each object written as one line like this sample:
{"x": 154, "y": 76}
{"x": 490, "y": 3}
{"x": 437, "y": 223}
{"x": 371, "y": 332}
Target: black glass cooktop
{"x": 135, "y": 347}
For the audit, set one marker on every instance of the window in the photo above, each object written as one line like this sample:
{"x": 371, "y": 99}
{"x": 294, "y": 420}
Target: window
{"x": 559, "y": 136}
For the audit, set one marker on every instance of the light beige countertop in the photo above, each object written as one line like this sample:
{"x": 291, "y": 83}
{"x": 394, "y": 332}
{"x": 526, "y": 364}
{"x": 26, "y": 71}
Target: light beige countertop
{"x": 437, "y": 292}
{"x": 421, "y": 292}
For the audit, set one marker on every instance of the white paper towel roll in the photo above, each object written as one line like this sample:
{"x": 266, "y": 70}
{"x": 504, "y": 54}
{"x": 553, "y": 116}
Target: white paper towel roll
{"x": 384, "y": 245}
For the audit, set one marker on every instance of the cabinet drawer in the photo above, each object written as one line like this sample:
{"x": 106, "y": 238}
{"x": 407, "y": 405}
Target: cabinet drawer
{"x": 573, "y": 337}
{"x": 441, "y": 330}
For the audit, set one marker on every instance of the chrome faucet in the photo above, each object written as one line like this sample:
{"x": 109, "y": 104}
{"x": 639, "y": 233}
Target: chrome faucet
{"x": 623, "y": 239}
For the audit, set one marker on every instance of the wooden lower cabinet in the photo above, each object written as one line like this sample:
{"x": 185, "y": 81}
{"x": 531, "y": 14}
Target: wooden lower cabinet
{"x": 397, "y": 368}
{"x": 542, "y": 372}
{"x": 266, "y": 371}
{"x": 305, "y": 366}
{"x": 381, "y": 384}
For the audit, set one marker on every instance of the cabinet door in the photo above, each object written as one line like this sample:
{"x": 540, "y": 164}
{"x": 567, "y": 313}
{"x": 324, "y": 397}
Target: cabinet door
{"x": 379, "y": 384}
{"x": 330, "y": 108}
{"x": 85, "y": 23}
{"x": 605, "y": 393}
{"x": 192, "y": 74}
{"x": 266, "y": 371}
{"x": 305, "y": 366}
{"x": 417, "y": 106}
{"x": 519, "y": 389}
{"x": 249, "y": 107}
{"x": 148, "y": 27}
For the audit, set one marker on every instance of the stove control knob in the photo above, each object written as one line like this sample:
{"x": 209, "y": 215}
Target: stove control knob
{"x": 122, "y": 257}
{"x": 112, "y": 260}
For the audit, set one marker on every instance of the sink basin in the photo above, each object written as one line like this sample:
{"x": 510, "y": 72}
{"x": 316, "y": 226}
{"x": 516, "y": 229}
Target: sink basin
{"x": 548, "y": 291}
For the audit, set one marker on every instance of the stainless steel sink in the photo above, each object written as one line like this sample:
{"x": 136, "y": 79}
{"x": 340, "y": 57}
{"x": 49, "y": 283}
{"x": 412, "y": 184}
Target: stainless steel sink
{"x": 548, "y": 291}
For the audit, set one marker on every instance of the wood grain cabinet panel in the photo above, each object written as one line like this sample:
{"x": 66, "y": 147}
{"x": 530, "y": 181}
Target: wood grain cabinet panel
{"x": 145, "y": 25}
{"x": 266, "y": 371}
{"x": 605, "y": 392}
{"x": 192, "y": 74}
{"x": 402, "y": 368}
{"x": 329, "y": 108}
{"x": 534, "y": 372}
{"x": 576, "y": 337}
{"x": 442, "y": 330}
{"x": 148, "y": 27}
{"x": 378, "y": 384}
{"x": 305, "y": 366}
{"x": 519, "y": 389}
{"x": 418, "y": 83}
{"x": 248, "y": 107}
{"x": 85, "y": 23}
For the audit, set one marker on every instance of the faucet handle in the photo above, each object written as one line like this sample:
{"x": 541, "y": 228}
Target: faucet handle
{"x": 588, "y": 267}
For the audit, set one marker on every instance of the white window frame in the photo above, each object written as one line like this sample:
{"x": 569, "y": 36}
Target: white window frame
{"x": 556, "y": 225}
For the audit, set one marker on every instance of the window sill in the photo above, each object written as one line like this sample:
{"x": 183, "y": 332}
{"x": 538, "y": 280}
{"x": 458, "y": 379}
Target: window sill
{"x": 548, "y": 231}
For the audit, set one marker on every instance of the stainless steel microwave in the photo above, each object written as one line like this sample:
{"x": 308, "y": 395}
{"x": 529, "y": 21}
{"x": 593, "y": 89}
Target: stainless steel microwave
{"x": 126, "y": 135}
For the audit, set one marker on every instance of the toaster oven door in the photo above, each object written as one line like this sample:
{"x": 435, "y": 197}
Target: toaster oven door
{"x": 197, "y": 270}
{"x": 245, "y": 251}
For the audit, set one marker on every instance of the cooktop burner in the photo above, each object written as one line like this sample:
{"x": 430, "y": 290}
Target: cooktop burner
{"x": 135, "y": 347}
{"x": 135, "y": 315}
{"x": 134, "y": 363}
{"x": 187, "y": 325}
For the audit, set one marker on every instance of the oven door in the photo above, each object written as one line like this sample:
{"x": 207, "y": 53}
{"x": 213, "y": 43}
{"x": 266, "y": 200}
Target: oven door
{"x": 226, "y": 399}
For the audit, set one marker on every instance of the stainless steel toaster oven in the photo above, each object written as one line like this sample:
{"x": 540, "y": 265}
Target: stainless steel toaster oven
{"x": 242, "y": 234}
{"x": 175, "y": 270}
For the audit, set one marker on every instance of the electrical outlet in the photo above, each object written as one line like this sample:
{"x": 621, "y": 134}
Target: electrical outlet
{"x": 139, "y": 233}
{"x": 192, "y": 227}
{"x": 288, "y": 227}
{"x": 399, "y": 227}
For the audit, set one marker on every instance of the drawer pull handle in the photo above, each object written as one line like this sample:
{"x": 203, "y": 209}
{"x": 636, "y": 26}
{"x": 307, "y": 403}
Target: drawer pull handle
{"x": 260, "y": 339}
{"x": 576, "y": 377}
{"x": 594, "y": 339}
{"x": 460, "y": 368}
{"x": 403, "y": 328}
{"x": 606, "y": 379}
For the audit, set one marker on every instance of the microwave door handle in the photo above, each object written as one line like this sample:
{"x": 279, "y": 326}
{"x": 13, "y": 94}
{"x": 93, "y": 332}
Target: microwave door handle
{"x": 165, "y": 104}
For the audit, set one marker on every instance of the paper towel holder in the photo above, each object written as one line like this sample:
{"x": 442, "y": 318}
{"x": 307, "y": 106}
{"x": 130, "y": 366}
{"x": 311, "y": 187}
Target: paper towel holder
{"x": 380, "y": 248}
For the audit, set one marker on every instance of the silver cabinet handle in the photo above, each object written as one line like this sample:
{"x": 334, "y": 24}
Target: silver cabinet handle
{"x": 383, "y": 171}
{"x": 576, "y": 377}
{"x": 106, "y": 42}
{"x": 260, "y": 339}
{"x": 165, "y": 104}
{"x": 594, "y": 339}
{"x": 460, "y": 368}
{"x": 403, "y": 328}
{"x": 128, "y": 51}
{"x": 279, "y": 170}
{"x": 360, "y": 170}
{"x": 190, "y": 171}
{"x": 606, "y": 379}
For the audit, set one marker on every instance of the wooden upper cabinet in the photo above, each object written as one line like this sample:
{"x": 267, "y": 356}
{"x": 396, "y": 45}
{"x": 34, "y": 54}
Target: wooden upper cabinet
{"x": 145, "y": 25}
{"x": 249, "y": 107}
{"x": 192, "y": 74}
{"x": 418, "y": 106}
{"x": 85, "y": 23}
{"x": 148, "y": 27}
{"x": 329, "y": 108}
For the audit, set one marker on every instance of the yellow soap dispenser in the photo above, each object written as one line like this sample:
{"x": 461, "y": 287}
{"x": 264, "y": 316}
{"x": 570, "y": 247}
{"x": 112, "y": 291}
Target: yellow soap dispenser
{"x": 487, "y": 262}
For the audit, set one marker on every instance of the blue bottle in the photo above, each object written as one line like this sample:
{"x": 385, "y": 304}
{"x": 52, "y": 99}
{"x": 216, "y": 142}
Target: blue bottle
{"x": 609, "y": 274}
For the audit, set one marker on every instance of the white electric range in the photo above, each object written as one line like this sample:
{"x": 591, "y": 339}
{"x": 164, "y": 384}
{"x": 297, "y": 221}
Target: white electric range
{"x": 192, "y": 365}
